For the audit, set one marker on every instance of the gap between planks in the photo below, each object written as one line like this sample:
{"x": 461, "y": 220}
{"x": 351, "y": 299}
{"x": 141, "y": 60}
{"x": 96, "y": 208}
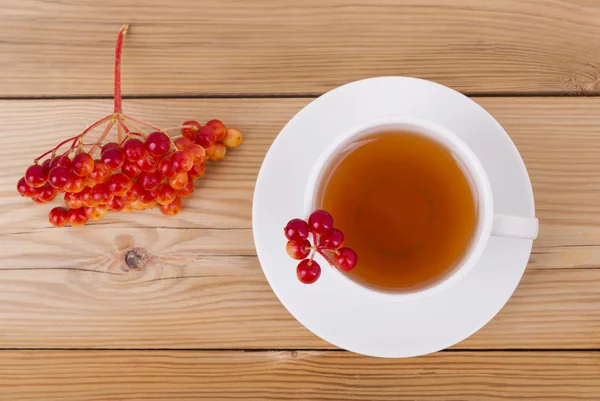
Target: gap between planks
{"x": 284, "y": 96}
{"x": 322, "y": 350}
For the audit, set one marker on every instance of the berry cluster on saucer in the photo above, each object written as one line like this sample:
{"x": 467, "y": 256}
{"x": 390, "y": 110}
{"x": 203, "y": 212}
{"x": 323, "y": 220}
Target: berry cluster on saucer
{"x": 327, "y": 241}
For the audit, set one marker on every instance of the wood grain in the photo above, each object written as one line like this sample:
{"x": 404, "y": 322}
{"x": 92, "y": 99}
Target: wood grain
{"x": 168, "y": 375}
{"x": 557, "y": 138}
{"x": 235, "y": 47}
{"x": 205, "y": 302}
{"x": 203, "y": 287}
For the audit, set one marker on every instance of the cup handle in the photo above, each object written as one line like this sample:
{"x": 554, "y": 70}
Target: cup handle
{"x": 515, "y": 227}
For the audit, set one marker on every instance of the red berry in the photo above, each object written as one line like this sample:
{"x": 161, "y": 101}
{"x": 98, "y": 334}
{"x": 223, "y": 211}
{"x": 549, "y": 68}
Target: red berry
{"x": 158, "y": 143}
{"x": 86, "y": 197}
{"x": 131, "y": 169}
{"x": 117, "y": 204}
{"x": 101, "y": 194}
{"x": 73, "y": 200}
{"x": 113, "y": 158}
{"x": 210, "y": 150}
{"x": 346, "y": 259}
{"x": 181, "y": 161}
{"x": 165, "y": 194}
{"x": 308, "y": 271}
{"x": 205, "y": 136}
{"x": 218, "y": 152}
{"x": 172, "y": 208}
{"x": 197, "y": 170}
{"x": 58, "y": 177}
{"x": 298, "y": 249}
{"x": 296, "y": 230}
{"x": 77, "y": 217}
{"x": 166, "y": 167}
{"x": 134, "y": 192}
{"x": 233, "y": 138}
{"x": 75, "y": 184}
{"x": 60, "y": 161}
{"x": 149, "y": 196}
{"x": 37, "y": 200}
{"x": 58, "y": 217}
{"x": 138, "y": 205}
{"x": 134, "y": 149}
{"x": 25, "y": 189}
{"x": 190, "y": 132}
{"x": 100, "y": 173}
{"x": 178, "y": 181}
{"x": 36, "y": 176}
{"x": 110, "y": 145}
{"x": 197, "y": 152}
{"x": 182, "y": 143}
{"x": 46, "y": 165}
{"x": 218, "y": 127}
{"x": 334, "y": 239}
{"x": 187, "y": 190}
{"x": 82, "y": 165}
{"x": 96, "y": 212}
{"x": 150, "y": 180}
{"x": 149, "y": 162}
{"x": 320, "y": 222}
{"x": 119, "y": 184}
{"x": 45, "y": 194}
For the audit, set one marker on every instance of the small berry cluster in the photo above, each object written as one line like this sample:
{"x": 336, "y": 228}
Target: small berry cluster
{"x": 326, "y": 240}
{"x": 143, "y": 169}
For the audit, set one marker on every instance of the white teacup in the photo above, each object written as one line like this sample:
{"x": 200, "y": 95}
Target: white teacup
{"x": 488, "y": 223}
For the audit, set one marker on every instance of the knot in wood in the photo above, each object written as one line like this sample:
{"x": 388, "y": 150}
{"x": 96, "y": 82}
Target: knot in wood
{"x": 136, "y": 258}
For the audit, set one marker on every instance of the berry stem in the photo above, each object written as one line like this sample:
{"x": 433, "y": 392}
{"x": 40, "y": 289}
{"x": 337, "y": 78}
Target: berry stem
{"x": 104, "y": 134}
{"x": 325, "y": 256}
{"x": 179, "y": 127}
{"x": 317, "y": 248}
{"x": 73, "y": 138}
{"x": 129, "y": 135}
{"x": 312, "y": 256}
{"x": 121, "y": 127}
{"x": 97, "y": 123}
{"x": 118, "y": 51}
{"x": 75, "y": 143}
{"x": 135, "y": 127}
{"x": 154, "y": 127}
{"x": 88, "y": 129}
{"x": 119, "y": 132}
{"x": 122, "y": 124}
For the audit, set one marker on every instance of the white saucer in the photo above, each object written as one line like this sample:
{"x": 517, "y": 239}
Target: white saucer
{"x": 356, "y": 322}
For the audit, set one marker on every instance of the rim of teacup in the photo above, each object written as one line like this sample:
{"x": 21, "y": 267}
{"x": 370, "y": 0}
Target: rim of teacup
{"x": 472, "y": 168}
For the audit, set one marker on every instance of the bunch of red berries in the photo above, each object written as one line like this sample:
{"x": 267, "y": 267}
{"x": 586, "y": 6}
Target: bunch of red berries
{"x": 142, "y": 169}
{"x": 327, "y": 241}
{"x": 140, "y": 172}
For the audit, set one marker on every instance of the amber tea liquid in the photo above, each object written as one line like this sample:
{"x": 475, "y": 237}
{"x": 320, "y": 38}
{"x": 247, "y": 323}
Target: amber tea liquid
{"x": 404, "y": 205}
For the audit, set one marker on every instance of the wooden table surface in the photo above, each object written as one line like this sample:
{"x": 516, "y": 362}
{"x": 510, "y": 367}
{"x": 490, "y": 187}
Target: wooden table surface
{"x": 200, "y": 321}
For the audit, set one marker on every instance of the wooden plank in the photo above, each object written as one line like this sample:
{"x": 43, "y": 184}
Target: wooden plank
{"x": 204, "y": 287}
{"x": 195, "y": 301}
{"x": 557, "y": 138}
{"x": 193, "y": 375}
{"x": 229, "y": 47}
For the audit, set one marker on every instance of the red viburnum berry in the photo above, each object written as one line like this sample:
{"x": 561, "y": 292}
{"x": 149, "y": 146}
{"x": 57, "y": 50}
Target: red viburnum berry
{"x": 327, "y": 243}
